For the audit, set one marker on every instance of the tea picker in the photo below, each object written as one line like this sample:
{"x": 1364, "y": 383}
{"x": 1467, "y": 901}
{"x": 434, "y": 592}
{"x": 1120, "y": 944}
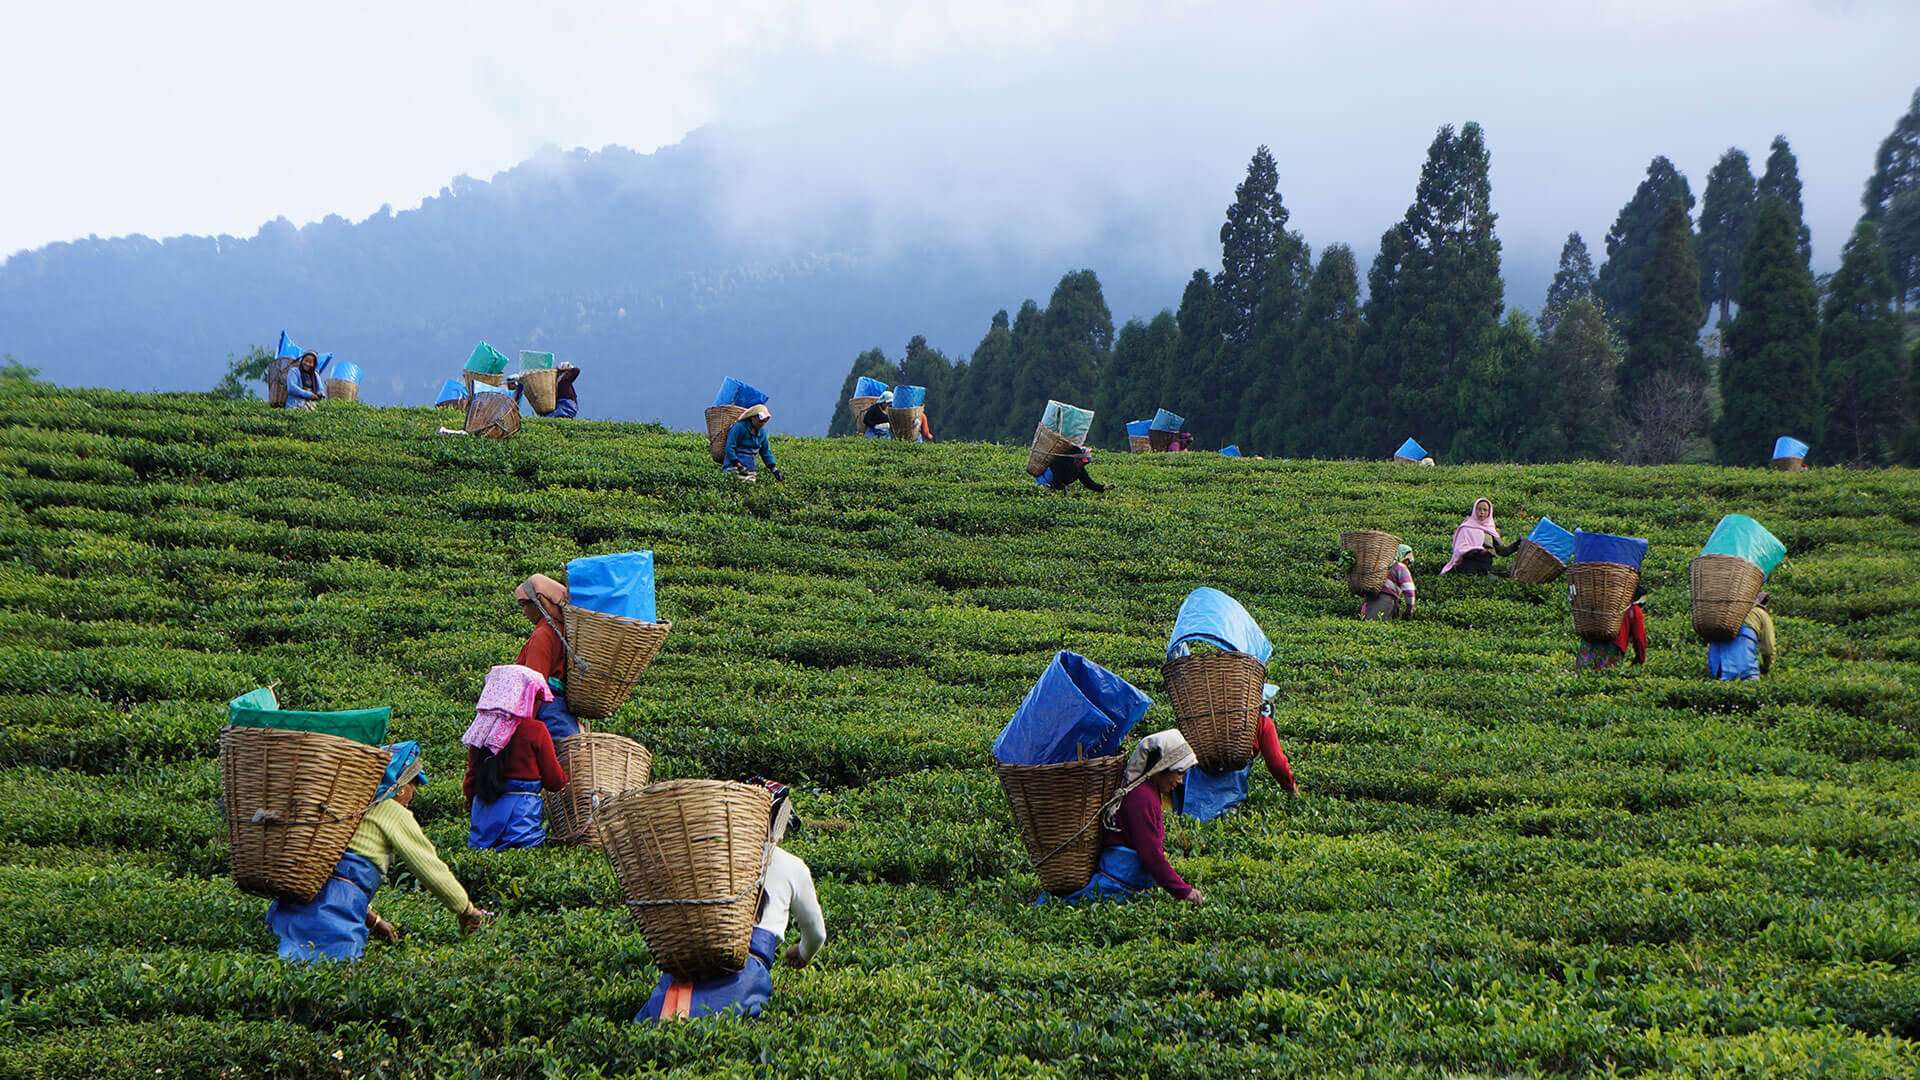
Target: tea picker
{"x": 1729, "y": 605}
{"x": 1476, "y": 540}
{"x": 510, "y": 761}
{"x": 1215, "y": 674}
{"x": 746, "y": 440}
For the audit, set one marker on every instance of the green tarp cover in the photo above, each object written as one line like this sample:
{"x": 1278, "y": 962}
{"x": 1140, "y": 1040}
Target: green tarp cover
{"x": 1741, "y": 536}
{"x": 487, "y": 360}
{"x": 1067, "y": 420}
{"x": 259, "y": 708}
{"x": 534, "y": 361}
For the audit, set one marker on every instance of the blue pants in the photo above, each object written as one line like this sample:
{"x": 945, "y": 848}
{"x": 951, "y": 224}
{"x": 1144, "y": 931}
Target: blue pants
{"x": 332, "y": 925}
{"x": 1119, "y": 877}
{"x": 1735, "y": 660}
{"x": 745, "y": 991}
{"x": 558, "y": 718}
{"x": 511, "y": 821}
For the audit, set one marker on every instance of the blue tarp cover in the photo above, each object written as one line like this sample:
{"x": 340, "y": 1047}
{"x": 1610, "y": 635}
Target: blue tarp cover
{"x": 287, "y": 350}
{"x": 1788, "y": 446}
{"x": 1230, "y": 451}
{"x": 1557, "y": 541}
{"x": 1164, "y": 420}
{"x": 1412, "y": 451}
{"x": 1139, "y": 428}
{"x": 1212, "y": 616}
{"x": 1077, "y": 709}
{"x": 1601, "y": 547}
{"x": 735, "y": 392}
{"x": 1742, "y": 537}
{"x": 451, "y": 390}
{"x": 867, "y": 388}
{"x": 344, "y": 370}
{"x": 613, "y": 584}
{"x": 1205, "y": 795}
{"x": 321, "y": 363}
{"x": 489, "y": 388}
{"x": 907, "y": 397}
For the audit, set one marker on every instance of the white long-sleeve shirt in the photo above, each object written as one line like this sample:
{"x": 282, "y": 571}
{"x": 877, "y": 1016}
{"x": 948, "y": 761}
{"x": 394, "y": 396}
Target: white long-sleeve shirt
{"x": 790, "y": 896}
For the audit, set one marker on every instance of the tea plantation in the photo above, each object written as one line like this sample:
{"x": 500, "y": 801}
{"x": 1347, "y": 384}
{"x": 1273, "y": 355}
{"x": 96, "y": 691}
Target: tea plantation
{"x": 1496, "y": 865}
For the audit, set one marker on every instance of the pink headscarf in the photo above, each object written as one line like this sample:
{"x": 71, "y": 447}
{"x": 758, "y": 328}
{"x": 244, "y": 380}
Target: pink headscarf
{"x": 1472, "y": 533}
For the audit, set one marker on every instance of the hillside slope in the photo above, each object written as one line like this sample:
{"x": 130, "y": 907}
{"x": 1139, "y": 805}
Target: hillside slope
{"x": 1496, "y": 864}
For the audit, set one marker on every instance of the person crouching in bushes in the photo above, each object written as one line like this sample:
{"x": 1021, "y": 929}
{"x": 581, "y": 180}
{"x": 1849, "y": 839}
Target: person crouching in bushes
{"x": 566, "y": 400}
{"x": 1069, "y": 468}
{"x": 787, "y": 896}
{"x": 1749, "y": 654}
{"x": 1600, "y": 655}
{"x": 1133, "y": 838}
{"x": 1476, "y": 540}
{"x": 877, "y": 420}
{"x": 746, "y": 439}
{"x": 305, "y": 388}
{"x": 510, "y": 761}
{"x": 541, "y": 600}
{"x": 335, "y": 924}
{"x": 1397, "y": 594}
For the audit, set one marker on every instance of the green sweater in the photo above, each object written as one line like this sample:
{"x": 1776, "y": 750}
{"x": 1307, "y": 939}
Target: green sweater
{"x": 390, "y": 829}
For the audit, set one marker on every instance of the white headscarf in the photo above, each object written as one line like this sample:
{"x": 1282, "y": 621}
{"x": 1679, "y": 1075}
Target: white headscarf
{"x": 1164, "y": 751}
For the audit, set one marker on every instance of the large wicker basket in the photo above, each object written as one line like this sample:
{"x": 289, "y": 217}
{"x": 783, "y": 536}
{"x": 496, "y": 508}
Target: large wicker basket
{"x": 1057, "y": 808}
{"x": 606, "y": 655}
{"x": 1372, "y": 558}
{"x": 859, "y": 406}
{"x": 904, "y": 424}
{"x": 1602, "y": 592}
{"x": 1790, "y": 464}
{"x": 1216, "y": 705}
{"x": 1047, "y": 445}
{"x": 1535, "y": 565}
{"x": 1138, "y": 444}
{"x": 494, "y": 416}
{"x": 1158, "y": 441}
{"x": 1722, "y": 589}
{"x": 719, "y": 419}
{"x": 599, "y": 765}
{"x": 690, "y": 856}
{"x": 292, "y": 800}
{"x": 277, "y": 381}
{"x": 471, "y": 377}
{"x": 343, "y": 390}
{"x": 542, "y": 387}
{"x": 456, "y": 403}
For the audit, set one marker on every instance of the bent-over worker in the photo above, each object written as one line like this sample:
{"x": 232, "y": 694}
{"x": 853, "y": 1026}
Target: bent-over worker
{"x": 1133, "y": 837}
{"x": 877, "y": 420}
{"x": 1600, "y": 655}
{"x": 746, "y": 439}
{"x": 504, "y": 779}
{"x": 1397, "y": 594}
{"x": 1068, "y": 468}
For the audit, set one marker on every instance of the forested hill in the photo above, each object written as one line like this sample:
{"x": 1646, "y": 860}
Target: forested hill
{"x": 635, "y": 266}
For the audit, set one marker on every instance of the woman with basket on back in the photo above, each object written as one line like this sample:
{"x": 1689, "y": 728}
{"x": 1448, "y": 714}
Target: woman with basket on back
{"x": 510, "y": 761}
{"x": 1133, "y": 839}
{"x": 541, "y": 599}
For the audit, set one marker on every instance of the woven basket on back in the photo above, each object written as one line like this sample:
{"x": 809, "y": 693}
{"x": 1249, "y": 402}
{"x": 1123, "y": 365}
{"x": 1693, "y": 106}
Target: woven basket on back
{"x": 1602, "y": 592}
{"x": 456, "y": 403}
{"x": 292, "y": 800}
{"x": 859, "y": 406}
{"x": 471, "y": 377}
{"x": 606, "y": 655}
{"x": 1535, "y": 565}
{"x": 1047, "y": 445}
{"x": 1790, "y": 464}
{"x": 1057, "y": 808}
{"x": 904, "y": 424}
{"x": 719, "y": 419}
{"x": 1158, "y": 441}
{"x": 542, "y": 387}
{"x": 495, "y": 416}
{"x": 1722, "y": 589}
{"x": 343, "y": 390}
{"x": 599, "y": 765}
{"x": 690, "y": 856}
{"x": 1216, "y": 705}
{"x": 1138, "y": 444}
{"x": 1372, "y": 558}
{"x": 277, "y": 382}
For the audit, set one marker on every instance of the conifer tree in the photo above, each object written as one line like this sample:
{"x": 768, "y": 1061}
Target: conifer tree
{"x": 1896, "y": 167}
{"x": 1025, "y": 394}
{"x": 1328, "y": 393}
{"x": 1769, "y": 374}
{"x": 1378, "y": 369}
{"x": 1863, "y": 372}
{"x": 1573, "y": 417}
{"x": 1266, "y": 369}
{"x": 1573, "y": 280}
{"x": 872, "y": 364}
{"x": 982, "y": 387}
{"x": 1494, "y": 391}
{"x": 1726, "y": 222}
{"x": 1130, "y": 386}
{"x": 1665, "y": 334}
{"x": 1061, "y": 348}
{"x": 1782, "y": 181}
{"x": 1250, "y": 239}
{"x": 1198, "y": 356}
{"x": 1630, "y": 242}
{"x": 1900, "y": 236}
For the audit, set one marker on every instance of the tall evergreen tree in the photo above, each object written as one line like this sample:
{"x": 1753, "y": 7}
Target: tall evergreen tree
{"x": 1130, "y": 385}
{"x": 1198, "y": 357}
{"x": 1060, "y": 354}
{"x": 1726, "y": 223}
{"x": 1250, "y": 239}
{"x": 1266, "y": 368}
{"x": 1900, "y": 235}
{"x": 1572, "y": 281}
{"x": 924, "y": 365}
{"x": 982, "y": 387}
{"x": 1782, "y": 181}
{"x": 1896, "y": 167}
{"x": 872, "y": 364}
{"x": 1769, "y": 374}
{"x": 1379, "y": 367}
{"x": 1572, "y": 417}
{"x": 1328, "y": 393}
{"x": 1494, "y": 393}
{"x": 1259, "y": 266}
{"x": 1026, "y": 393}
{"x": 1665, "y": 334}
{"x": 1863, "y": 371}
{"x": 1630, "y": 242}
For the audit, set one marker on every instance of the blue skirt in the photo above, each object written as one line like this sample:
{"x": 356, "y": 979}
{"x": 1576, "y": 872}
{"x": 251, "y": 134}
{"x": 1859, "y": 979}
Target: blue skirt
{"x": 1206, "y": 795}
{"x": 511, "y": 821}
{"x": 1120, "y": 877}
{"x": 558, "y": 718}
{"x": 332, "y": 925}
{"x": 745, "y": 991}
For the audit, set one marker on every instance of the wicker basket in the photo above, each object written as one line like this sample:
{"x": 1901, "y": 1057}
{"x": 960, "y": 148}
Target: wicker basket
{"x": 1216, "y": 705}
{"x": 1138, "y": 444}
{"x": 1602, "y": 592}
{"x": 606, "y": 655}
{"x": 292, "y": 800}
{"x": 1790, "y": 464}
{"x": 494, "y": 416}
{"x": 904, "y": 424}
{"x": 1057, "y": 808}
{"x": 471, "y": 377}
{"x": 719, "y": 419}
{"x": 542, "y": 387}
{"x": 1158, "y": 441}
{"x": 859, "y": 406}
{"x": 343, "y": 390}
{"x": 1723, "y": 589}
{"x": 690, "y": 856}
{"x": 1047, "y": 445}
{"x": 277, "y": 381}
{"x": 599, "y": 765}
{"x": 1372, "y": 558}
{"x": 1535, "y": 565}
{"x": 457, "y": 403}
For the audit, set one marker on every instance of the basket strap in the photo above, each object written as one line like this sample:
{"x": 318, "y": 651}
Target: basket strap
{"x": 766, "y": 856}
{"x": 566, "y": 650}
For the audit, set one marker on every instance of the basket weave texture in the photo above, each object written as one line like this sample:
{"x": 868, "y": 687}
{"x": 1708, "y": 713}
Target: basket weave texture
{"x": 292, "y": 800}
{"x": 606, "y": 655}
{"x": 1047, "y": 445}
{"x": 542, "y": 387}
{"x": 1602, "y": 592}
{"x": 1158, "y": 441}
{"x": 495, "y": 416}
{"x": 859, "y": 406}
{"x": 690, "y": 856}
{"x": 904, "y": 424}
{"x": 1138, "y": 444}
{"x": 277, "y": 382}
{"x": 1790, "y": 464}
{"x": 1372, "y": 558}
{"x": 471, "y": 377}
{"x": 719, "y": 419}
{"x": 1057, "y": 808}
{"x": 1722, "y": 589}
{"x": 1535, "y": 565}
{"x": 343, "y": 390}
{"x": 1216, "y": 705}
{"x": 599, "y": 765}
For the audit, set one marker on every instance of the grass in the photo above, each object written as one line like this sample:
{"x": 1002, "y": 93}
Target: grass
{"x": 1497, "y": 865}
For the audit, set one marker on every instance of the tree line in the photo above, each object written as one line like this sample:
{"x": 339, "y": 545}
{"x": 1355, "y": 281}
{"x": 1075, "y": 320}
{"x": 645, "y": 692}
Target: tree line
{"x": 1277, "y": 352}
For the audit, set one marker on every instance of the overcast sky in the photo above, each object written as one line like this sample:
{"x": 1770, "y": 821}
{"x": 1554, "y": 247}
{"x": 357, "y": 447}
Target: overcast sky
{"x": 976, "y": 118}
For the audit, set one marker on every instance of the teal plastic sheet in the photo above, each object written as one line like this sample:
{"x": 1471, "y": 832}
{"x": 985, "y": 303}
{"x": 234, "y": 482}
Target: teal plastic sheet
{"x": 613, "y": 584}
{"x": 451, "y": 390}
{"x": 1165, "y": 420}
{"x": 1212, "y": 617}
{"x": 1557, "y": 541}
{"x": 486, "y": 360}
{"x": 1788, "y": 446}
{"x": 260, "y": 709}
{"x": 535, "y": 361}
{"x": 868, "y": 387}
{"x": 1068, "y": 420}
{"x": 1077, "y": 709}
{"x": 1744, "y": 538}
{"x": 1412, "y": 451}
{"x": 908, "y": 397}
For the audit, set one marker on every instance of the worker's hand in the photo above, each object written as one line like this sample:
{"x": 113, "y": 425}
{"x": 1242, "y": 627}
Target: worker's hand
{"x": 474, "y": 918}
{"x": 796, "y": 958}
{"x": 1196, "y": 897}
{"x": 381, "y": 928}
{"x": 778, "y": 476}
{"x": 1293, "y": 791}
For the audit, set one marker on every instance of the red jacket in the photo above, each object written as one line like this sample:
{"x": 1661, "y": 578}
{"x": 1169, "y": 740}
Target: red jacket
{"x": 544, "y": 653}
{"x": 1633, "y": 632}
{"x": 527, "y": 756}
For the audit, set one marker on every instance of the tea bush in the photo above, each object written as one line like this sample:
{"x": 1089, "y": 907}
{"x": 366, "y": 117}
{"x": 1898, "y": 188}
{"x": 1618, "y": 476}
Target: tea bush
{"x": 1498, "y": 865}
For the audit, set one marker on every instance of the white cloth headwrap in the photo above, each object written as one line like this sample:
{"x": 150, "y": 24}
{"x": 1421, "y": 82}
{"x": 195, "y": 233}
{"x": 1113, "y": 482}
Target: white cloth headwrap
{"x": 1164, "y": 751}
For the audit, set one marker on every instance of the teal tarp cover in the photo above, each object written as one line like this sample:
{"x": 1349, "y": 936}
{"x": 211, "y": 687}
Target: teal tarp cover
{"x": 535, "y": 361}
{"x": 1412, "y": 451}
{"x": 869, "y": 387}
{"x": 1211, "y": 616}
{"x": 613, "y": 584}
{"x": 909, "y": 397}
{"x": 1788, "y": 446}
{"x": 451, "y": 390}
{"x": 1164, "y": 420}
{"x": 1067, "y": 420}
{"x": 1557, "y": 541}
{"x": 1742, "y": 537}
{"x": 487, "y": 360}
{"x": 259, "y": 708}
{"x": 1077, "y": 709}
